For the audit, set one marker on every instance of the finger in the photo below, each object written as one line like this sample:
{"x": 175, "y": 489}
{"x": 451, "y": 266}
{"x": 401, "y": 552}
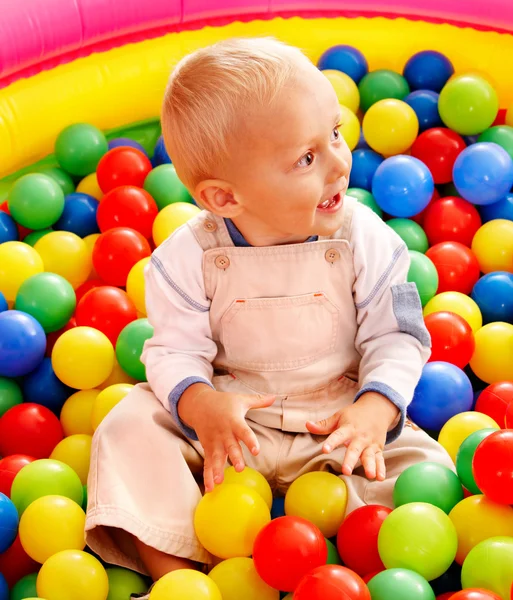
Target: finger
{"x": 381, "y": 471}
{"x": 353, "y": 453}
{"x": 208, "y": 475}
{"x": 368, "y": 459}
{"x": 324, "y": 426}
{"x": 338, "y": 438}
{"x": 218, "y": 464}
{"x": 234, "y": 452}
{"x": 258, "y": 401}
{"x": 247, "y": 436}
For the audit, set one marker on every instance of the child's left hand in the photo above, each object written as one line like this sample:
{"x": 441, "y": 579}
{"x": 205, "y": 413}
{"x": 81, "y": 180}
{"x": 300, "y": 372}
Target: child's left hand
{"x": 362, "y": 427}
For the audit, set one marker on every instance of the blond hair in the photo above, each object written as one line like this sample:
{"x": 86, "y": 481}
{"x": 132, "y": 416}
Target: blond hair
{"x": 208, "y": 93}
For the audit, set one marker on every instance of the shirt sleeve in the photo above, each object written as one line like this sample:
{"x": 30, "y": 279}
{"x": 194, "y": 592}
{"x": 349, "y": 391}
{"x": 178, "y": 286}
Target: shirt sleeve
{"x": 181, "y": 350}
{"x": 392, "y": 338}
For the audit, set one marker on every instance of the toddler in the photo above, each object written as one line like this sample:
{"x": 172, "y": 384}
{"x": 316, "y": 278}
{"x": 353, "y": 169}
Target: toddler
{"x": 286, "y": 335}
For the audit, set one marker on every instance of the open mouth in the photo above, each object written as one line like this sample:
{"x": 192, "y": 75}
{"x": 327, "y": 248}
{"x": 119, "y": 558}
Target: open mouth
{"x": 330, "y": 204}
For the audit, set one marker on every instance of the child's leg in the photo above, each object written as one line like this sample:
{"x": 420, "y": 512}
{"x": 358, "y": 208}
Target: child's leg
{"x": 158, "y": 563}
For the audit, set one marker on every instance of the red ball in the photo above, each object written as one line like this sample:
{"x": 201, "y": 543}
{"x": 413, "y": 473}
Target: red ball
{"x": 370, "y": 576}
{"x": 452, "y": 338}
{"x": 127, "y": 206}
{"x": 29, "y": 429}
{"x": 10, "y": 466}
{"x": 15, "y": 563}
{"x": 451, "y": 219}
{"x": 107, "y": 309}
{"x": 357, "y": 539}
{"x": 286, "y": 549}
{"x": 475, "y": 594}
{"x": 500, "y": 119}
{"x": 495, "y": 400}
{"x": 445, "y": 596}
{"x": 438, "y": 149}
{"x": 332, "y": 582}
{"x": 509, "y": 421}
{"x": 52, "y": 337}
{"x": 116, "y": 251}
{"x": 493, "y": 466}
{"x": 82, "y": 290}
{"x": 457, "y": 267}
{"x": 122, "y": 166}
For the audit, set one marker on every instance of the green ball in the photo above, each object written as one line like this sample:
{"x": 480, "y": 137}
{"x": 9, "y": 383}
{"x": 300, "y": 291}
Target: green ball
{"x": 468, "y": 104}
{"x": 465, "y": 457}
{"x": 365, "y": 197}
{"x": 79, "y": 148}
{"x": 163, "y": 185}
{"x": 129, "y": 348}
{"x": 25, "y": 588}
{"x": 400, "y": 584}
{"x": 45, "y": 477}
{"x": 36, "y": 201}
{"x": 34, "y": 236}
{"x": 424, "y": 274}
{"x": 84, "y": 501}
{"x": 431, "y": 483}
{"x": 123, "y": 583}
{"x": 489, "y": 566}
{"x": 49, "y": 298}
{"x": 419, "y": 537}
{"x": 333, "y": 557}
{"x": 381, "y": 84}
{"x": 501, "y": 135}
{"x": 411, "y": 233}
{"x": 61, "y": 177}
{"x": 10, "y": 394}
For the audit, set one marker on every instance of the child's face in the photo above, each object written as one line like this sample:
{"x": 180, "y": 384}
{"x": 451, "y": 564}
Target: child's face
{"x": 290, "y": 167}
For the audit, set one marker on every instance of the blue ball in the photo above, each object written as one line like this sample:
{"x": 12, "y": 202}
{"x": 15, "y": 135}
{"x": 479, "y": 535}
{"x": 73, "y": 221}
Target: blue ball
{"x": 42, "y": 386}
{"x": 22, "y": 343}
{"x": 442, "y": 392}
{"x": 4, "y": 588}
{"x": 8, "y": 229}
{"x": 425, "y": 105}
{"x": 428, "y": 70}
{"x": 483, "y": 173}
{"x": 124, "y": 141}
{"x": 493, "y": 293}
{"x": 3, "y": 303}
{"x": 278, "y": 508}
{"x": 402, "y": 186}
{"x": 347, "y": 59}
{"x": 8, "y": 523}
{"x": 503, "y": 209}
{"x": 365, "y": 163}
{"x": 79, "y": 215}
{"x": 160, "y": 156}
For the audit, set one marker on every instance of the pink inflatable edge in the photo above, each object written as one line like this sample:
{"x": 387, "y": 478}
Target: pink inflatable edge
{"x": 39, "y": 35}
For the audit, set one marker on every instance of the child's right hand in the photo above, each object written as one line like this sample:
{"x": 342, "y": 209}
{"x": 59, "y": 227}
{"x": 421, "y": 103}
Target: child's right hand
{"x": 219, "y": 420}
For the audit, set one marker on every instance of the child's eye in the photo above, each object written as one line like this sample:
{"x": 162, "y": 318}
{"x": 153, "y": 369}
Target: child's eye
{"x": 335, "y": 134}
{"x": 306, "y": 160}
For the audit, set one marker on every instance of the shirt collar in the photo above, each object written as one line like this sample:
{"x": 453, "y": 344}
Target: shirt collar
{"x": 239, "y": 240}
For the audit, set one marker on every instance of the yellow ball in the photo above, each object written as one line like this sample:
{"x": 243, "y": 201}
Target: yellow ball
{"x": 185, "y": 584}
{"x": 83, "y": 357}
{"x": 350, "y": 127}
{"x": 67, "y": 255}
{"x": 18, "y": 262}
{"x": 390, "y": 126}
{"x": 345, "y": 88}
{"x": 89, "y": 185}
{"x": 458, "y": 428}
{"x": 228, "y": 519}
{"x": 135, "y": 285}
{"x": 253, "y": 479}
{"x": 107, "y": 400}
{"x": 75, "y": 451}
{"x": 477, "y": 519}
{"x": 117, "y": 375}
{"x": 493, "y": 246}
{"x": 90, "y": 241}
{"x": 492, "y": 360}
{"x": 319, "y": 497}
{"x": 171, "y": 218}
{"x": 458, "y": 303}
{"x": 237, "y": 578}
{"x": 72, "y": 574}
{"x": 76, "y": 413}
{"x": 51, "y": 524}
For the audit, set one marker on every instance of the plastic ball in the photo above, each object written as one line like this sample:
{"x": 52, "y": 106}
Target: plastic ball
{"x": 502, "y": 209}
{"x": 237, "y": 578}
{"x": 25, "y": 588}
{"x": 390, "y": 127}
{"x": 122, "y": 166}
{"x": 163, "y": 184}
{"x": 115, "y": 253}
{"x": 160, "y": 155}
{"x": 130, "y": 345}
{"x": 475, "y": 594}
{"x": 493, "y": 358}
{"x": 10, "y": 395}
{"x": 458, "y": 303}
{"x": 429, "y": 70}
{"x": 10, "y": 466}
{"x": 75, "y": 451}
{"x": 439, "y": 148}
{"x": 365, "y": 164}
{"x": 420, "y": 537}
{"x": 117, "y": 375}
{"x": 366, "y": 198}
{"x": 501, "y": 135}
{"x": 350, "y": 127}
{"x": 4, "y": 588}
{"x": 18, "y": 262}
{"x": 451, "y": 219}
{"x": 83, "y": 358}
{"x": 442, "y": 392}
{"x": 493, "y": 246}
{"x": 36, "y": 201}
{"x": 333, "y": 557}
{"x": 171, "y": 218}
{"x": 42, "y": 386}
{"x": 457, "y": 267}
{"x": 286, "y": 550}
{"x": 331, "y": 582}
{"x": 79, "y": 148}
{"x": 135, "y": 285}
{"x": 106, "y": 400}
{"x": 460, "y": 427}
{"x": 79, "y": 215}
{"x": 468, "y": 104}
{"x": 65, "y": 254}
{"x": 483, "y": 173}
{"x": 3, "y": 303}
{"x": 452, "y": 339}
{"x": 493, "y": 293}
{"x": 465, "y": 457}
{"x": 22, "y": 343}
{"x": 76, "y": 413}
{"x": 346, "y": 59}
{"x": 127, "y": 206}
{"x": 509, "y": 417}
{"x": 126, "y": 142}
{"x": 61, "y": 177}
{"x": 34, "y": 237}
{"x": 382, "y": 84}
{"x": 425, "y": 105}
{"x": 488, "y": 566}
{"x": 52, "y": 338}
{"x": 423, "y": 273}
{"x": 8, "y": 229}
{"x": 400, "y": 584}
{"x": 357, "y": 538}
{"x": 495, "y": 399}
{"x": 73, "y": 574}
{"x": 493, "y": 466}
{"x": 253, "y": 479}
{"x": 89, "y": 185}
{"x": 15, "y": 563}
{"x": 8, "y": 523}
{"x": 185, "y": 584}
{"x": 123, "y": 583}
{"x": 345, "y": 88}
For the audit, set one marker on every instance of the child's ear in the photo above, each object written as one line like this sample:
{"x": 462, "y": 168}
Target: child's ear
{"x": 217, "y": 196}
